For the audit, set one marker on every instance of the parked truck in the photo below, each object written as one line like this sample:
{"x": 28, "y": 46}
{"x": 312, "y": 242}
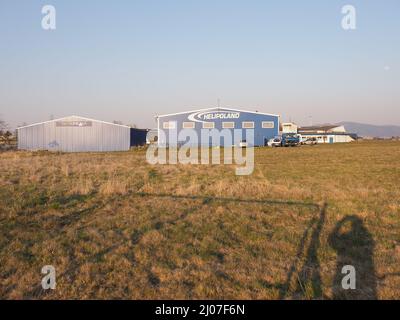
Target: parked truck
{"x": 290, "y": 140}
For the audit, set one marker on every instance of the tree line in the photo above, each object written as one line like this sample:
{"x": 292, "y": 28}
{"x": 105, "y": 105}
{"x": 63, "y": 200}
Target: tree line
{"x": 6, "y": 136}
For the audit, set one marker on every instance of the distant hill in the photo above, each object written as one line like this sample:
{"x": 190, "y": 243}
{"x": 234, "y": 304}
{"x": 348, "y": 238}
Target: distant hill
{"x": 369, "y": 130}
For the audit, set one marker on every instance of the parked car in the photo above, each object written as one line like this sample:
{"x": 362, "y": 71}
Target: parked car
{"x": 310, "y": 141}
{"x": 275, "y": 142}
{"x": 243, "y": 144}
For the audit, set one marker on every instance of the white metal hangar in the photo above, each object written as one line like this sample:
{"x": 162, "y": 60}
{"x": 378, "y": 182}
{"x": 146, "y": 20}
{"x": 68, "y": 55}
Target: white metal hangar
{"x": 74, "y": 134}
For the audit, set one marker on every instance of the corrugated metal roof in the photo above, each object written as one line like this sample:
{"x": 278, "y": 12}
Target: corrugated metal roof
{"x": 73, "y": 116}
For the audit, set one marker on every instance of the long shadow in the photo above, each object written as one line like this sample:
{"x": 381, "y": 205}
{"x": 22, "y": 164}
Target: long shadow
{"x": 310, "y": 270}
{"x": 354, "y": 246}
{"x": 211, "y": 198}
{"x": 37, "y": 292}
{"x": 350, "y": 238}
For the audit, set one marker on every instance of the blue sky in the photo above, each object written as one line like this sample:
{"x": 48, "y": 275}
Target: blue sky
{"x": 131, "y": 60}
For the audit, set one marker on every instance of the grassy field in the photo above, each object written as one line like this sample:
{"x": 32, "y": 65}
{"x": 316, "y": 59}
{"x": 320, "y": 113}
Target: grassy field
{"x": 114, "y": 226}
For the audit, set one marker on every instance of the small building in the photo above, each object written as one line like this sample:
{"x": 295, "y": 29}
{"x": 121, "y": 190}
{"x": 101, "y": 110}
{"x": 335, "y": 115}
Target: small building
{"x": 74, "y": 134}
{"x": 327, "y": 134}
{"x": 217, "y": 123}
{"x": 289, "y": 127}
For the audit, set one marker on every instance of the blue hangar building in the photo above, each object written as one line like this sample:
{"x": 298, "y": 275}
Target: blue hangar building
{"x": 226, "y": 121}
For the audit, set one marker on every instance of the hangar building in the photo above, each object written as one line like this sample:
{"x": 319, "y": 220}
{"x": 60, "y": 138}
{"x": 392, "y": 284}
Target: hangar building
{"x": 74, "y": 134}
{"x": 266, "y": 126}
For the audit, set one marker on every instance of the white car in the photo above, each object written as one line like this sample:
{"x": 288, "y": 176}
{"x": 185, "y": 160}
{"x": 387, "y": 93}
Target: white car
{"x": 243, "y": 144}
{"x": 310, "y": 141}
{"x": 275, "y": 142}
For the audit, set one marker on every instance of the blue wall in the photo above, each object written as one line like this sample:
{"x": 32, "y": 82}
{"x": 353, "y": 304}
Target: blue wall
{"x": 138, "y": 137}
{"x": 218, "y": 116}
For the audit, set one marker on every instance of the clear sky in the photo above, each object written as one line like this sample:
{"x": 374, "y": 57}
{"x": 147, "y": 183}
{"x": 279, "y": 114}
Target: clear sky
{"x": 130, "y": 60}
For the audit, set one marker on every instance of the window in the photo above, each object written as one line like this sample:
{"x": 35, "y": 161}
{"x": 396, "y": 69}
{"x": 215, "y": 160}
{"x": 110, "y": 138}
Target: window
{"x": 228, "y": 125}
{"x": 208, "y": 125}
{"x": 268, "y": 124}
{"x": 169, "y": 125}
{"x": 248, "y": 125}
{"x": 188, "y": 125}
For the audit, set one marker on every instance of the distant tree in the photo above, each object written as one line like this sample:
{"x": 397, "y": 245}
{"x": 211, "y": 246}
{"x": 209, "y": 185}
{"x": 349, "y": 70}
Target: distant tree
{"x": 7, "y": 137}
{"x": 3, "y": 125}
{"x": 5, "y": 134}
{"x": 117, "y": 122}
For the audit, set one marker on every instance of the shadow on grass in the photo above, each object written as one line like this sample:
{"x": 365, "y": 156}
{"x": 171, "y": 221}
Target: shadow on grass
{"x": 70, "y": 200}
{"x": 137, "y": 235}
{"x": 303, "y": 279}
{"x": 207, "y": 199}
{"x": 354, "y": 246}
{"x": 309, "y": 274}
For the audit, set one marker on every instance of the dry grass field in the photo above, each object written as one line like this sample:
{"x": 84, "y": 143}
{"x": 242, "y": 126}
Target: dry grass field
{"x": 115, "y": 227}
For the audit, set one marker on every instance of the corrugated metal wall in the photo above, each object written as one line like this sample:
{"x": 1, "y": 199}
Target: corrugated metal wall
{"x": 74, "y": 134}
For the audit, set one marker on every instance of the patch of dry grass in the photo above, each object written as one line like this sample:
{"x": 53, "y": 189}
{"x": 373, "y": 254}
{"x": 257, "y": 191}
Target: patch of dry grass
{"x": 96, "y": 218}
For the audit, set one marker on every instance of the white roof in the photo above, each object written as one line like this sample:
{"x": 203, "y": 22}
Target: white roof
{"x": 217, "y": 108}
{"x": 58, "y": 119}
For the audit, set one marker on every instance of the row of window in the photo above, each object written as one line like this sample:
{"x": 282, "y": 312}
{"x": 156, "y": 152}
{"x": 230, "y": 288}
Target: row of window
{"x": 225, "y": 125}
